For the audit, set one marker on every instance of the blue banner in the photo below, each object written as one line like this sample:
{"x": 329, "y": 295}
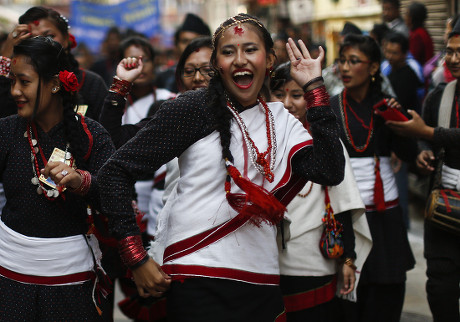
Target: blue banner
{"x": 90, "y": 21}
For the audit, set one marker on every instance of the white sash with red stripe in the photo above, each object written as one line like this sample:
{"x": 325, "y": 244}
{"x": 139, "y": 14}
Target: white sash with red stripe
{"x": 363, "y": 169}
{"x": 48, "y": 261}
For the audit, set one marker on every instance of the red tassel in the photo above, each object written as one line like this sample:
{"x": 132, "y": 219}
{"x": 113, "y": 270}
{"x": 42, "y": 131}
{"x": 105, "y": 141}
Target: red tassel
{"x": 379, "y": 198}
{"x": 258, "y": 204}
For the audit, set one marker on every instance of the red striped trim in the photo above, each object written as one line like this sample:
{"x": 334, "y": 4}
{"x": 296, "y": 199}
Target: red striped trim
{"x": 82, "y": 81}
{"x": 47, "y": 280}
{"x": 290, "y": 185}
{"x": 159, "y": 178}
{"x": 197, "y": 242}
{"x": 181, "y": 272}
{"x": 388, "y": 204}
{"x": 90, "y": 137}
{"x": 312, "y": 298}
{"x": 282, "y": 317}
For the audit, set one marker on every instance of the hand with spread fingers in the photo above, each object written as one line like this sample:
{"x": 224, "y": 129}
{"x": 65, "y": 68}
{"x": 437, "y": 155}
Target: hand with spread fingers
{"x": 130, "y": 68}
{"x": 304, "y": 69}
{"x": 150, "y": 279}
{"x": 62, "y": 175}
{"x": 19, "y": 33}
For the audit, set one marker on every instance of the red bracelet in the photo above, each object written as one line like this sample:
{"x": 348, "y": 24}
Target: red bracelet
{"x": 5, "y": 65}
{"x": 120, "y": 86}
{"x": 85, "y": 183}
{"x": 131, "y": 250}
{"x": 317, "y": 97}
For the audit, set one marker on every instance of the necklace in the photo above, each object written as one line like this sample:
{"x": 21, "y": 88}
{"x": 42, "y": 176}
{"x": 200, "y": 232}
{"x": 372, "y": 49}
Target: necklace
{"x": 50, "y": 193}
{"x": 370, "y": 127}
{"x": 259, "y": 160}
{"x": 304, "y": 195}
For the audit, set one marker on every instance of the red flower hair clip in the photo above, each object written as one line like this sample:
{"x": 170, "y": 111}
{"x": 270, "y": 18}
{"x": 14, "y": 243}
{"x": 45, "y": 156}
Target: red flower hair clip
{"x": 73, "y": 42}
{"x": 69, "y": 81}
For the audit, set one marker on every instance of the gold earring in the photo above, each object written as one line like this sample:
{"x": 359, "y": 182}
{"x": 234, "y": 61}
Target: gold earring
{"x": 373, "y": 78}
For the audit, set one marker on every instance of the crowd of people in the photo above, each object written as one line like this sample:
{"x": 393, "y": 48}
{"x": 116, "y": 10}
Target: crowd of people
{"x": 245, "y": 181}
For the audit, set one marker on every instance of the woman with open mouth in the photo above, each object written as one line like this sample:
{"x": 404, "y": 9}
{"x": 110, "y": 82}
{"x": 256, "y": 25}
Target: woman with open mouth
{"x": 241, "y": 161}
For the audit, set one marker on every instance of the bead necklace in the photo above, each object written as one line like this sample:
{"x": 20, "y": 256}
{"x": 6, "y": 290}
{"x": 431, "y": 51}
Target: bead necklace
{"x": 304, "y": 195}
{"x": 50, "y": 194}
{"x": 370, "y": 127}
{"x": 259, "y": 160}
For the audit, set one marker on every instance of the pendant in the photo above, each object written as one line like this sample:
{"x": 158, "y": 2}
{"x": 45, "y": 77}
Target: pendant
{"x": 26, "y": 134}
{"x": 36, "y": 150}
{"x": 34, "y": 142}
{"x": 55, "y": 193}
{"x": 50, "y": 193}
{"x": 39, "y": 190}
{"x": 68, "y": 156}
{"x": 34, "y": 181}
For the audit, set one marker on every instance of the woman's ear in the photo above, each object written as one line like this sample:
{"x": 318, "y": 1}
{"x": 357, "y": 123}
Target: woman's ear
{"x": 270, "y": 60}
{"x": 374, "y": 67}
{"x": 56, "y": 85}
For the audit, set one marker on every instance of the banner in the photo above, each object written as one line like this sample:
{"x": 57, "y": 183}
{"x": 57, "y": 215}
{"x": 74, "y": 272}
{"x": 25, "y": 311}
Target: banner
{"x": 90, "y": 21}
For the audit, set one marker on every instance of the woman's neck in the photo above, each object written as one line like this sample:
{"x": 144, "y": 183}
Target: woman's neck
{"x": 50, "y": 118}
{"x": 141, "y": 91}
{"x": 358, "y": 94}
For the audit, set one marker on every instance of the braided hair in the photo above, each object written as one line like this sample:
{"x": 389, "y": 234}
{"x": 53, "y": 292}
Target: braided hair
{"x": 217, "y": 95}
{"x": 48, "y": 59}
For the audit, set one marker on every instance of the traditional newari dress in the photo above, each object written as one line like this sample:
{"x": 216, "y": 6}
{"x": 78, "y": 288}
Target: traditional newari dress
{"x": 43, "y": 251}
{"x": 308, "y": 279}
{"x": 200, "y": 238}
{"x": 369, "y": 144}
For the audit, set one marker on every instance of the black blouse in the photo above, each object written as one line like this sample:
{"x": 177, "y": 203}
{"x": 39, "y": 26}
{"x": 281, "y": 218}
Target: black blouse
{"x": 32, "y": 214}
{"x": 176, "y": 126}
{"x": 382, "y": 142}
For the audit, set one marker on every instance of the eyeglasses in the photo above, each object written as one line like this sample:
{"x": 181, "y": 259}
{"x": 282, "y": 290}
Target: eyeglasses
{"x": 206, "y": 71}
{"x": 450, "y": 53}
{"x": 352, "y": 61}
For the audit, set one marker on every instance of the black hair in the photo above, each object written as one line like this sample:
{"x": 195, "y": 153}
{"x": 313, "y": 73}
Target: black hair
{"x": 418, "y": 14}
{"x": 61, "y": 23}
{"x": 280, "y": 76}
{"x": 216, "y": 89}
{"x": 48, "y": 59}
{"x": 369, "y": 47}
{"x": 192, "y": 23}
{"x": 380, "y": 30}
{"x": 194, "y": 45}
{"x": 395, "y": 3}
{"x": 455, "y": 29}
{"x": 398, "y": 38}
{"x": 138, "y": 42}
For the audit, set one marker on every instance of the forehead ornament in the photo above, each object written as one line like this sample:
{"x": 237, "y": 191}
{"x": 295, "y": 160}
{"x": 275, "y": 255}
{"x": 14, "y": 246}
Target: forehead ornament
{"x": 237, "y": 24}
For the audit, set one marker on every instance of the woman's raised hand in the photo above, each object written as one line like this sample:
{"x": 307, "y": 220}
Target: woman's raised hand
{"x": 303, "y": 67}
{"x": 130, "y": 68}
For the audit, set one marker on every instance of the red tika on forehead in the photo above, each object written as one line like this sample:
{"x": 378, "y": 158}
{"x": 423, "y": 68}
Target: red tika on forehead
{"x": 238, "y": 31}
{"x": 287, "y": 89}
{"x": 36, "y": 22}
{"x": 197, "y": 50}
{"x": 14, "y": 61}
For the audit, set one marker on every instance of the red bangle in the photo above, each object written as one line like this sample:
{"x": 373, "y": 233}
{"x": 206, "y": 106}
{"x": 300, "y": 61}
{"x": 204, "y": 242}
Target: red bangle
{"x": 120, "y": 86}
{"x": 317, "y": 97}
{"x": 85, "y": 183}
{"x": 5, "y": 65}
{"x": 131, "y": 250}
